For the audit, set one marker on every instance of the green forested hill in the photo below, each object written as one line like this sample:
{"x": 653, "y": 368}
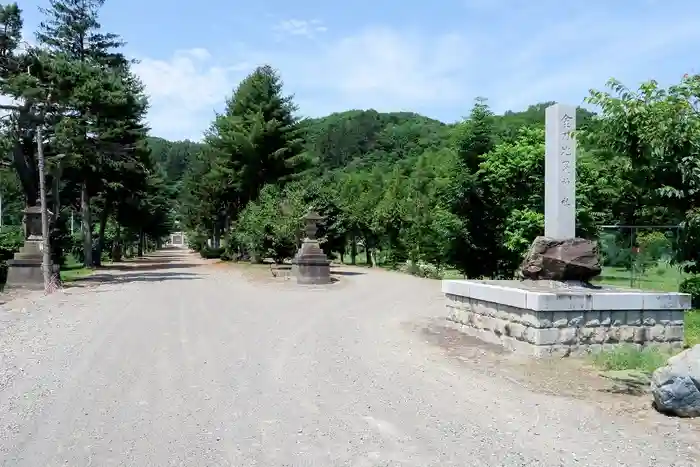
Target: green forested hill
{"x": 367, "y": 137}
{"x": 362, "y": 138}
{"x": 402, "y": 188}
{"x": 173, "y": 157}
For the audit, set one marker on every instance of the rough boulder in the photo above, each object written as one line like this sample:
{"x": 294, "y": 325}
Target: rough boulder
{"x": 676, "y": 386}
{"x": 574, "y": 259}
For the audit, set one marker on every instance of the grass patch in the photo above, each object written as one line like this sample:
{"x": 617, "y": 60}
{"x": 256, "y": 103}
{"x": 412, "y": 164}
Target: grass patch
{"x": 664, "y": 278}
{"x": 452, "y": 274}
{"x": 71, "y": 275}
{"x": 627, "y": 357}
{"x": 692, "y": 328}
{"x": 73, "y": 270}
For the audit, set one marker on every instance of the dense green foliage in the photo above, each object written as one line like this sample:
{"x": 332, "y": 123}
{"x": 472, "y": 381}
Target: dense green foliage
{"x": 410, "y": 191}
{"x": 398, "y": 189}
{"x": 691, "y": 286}
{"x": 77, "y": 87}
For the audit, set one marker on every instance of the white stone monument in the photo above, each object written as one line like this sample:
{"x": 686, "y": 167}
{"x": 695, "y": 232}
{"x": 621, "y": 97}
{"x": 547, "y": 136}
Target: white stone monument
{"x": 560, "y": 172}
{"x": 542, "y": 318}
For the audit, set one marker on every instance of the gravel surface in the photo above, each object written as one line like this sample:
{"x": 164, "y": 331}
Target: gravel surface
{"x": 185, "y": 364}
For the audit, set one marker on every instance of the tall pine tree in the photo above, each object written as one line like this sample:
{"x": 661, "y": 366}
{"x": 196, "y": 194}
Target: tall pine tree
{"x": 258, "y": 139}
{"x": 21, "y": 87}
{"x": 71, "y": 30}
{"x": 471, "y": 201}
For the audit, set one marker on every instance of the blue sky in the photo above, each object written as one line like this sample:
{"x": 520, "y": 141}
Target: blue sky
{"x": 432, "y": 57}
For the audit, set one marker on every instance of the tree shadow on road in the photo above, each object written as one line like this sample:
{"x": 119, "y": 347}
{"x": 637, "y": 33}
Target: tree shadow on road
{"x": 335, "y": 272}
{"x": 146, "y": 266}
{"x": 136, "y": 277}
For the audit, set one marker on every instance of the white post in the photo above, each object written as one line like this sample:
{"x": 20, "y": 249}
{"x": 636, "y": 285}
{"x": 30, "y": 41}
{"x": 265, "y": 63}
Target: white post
{"x": 560, "y": 172}
{"x": 71, "y": 222}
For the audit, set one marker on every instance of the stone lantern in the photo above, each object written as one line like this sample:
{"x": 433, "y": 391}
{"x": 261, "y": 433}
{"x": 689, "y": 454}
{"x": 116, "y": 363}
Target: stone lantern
{"x": 32, "y": 223}
{"x": 312, "y": 219}
{"x": 24, "y": 270}
{"x": 311, "y": 265}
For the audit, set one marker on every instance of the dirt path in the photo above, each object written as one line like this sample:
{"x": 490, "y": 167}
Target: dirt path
{"x": 176, "y": 361}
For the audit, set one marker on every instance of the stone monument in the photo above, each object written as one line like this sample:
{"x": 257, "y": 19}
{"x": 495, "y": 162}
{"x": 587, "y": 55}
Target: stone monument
{"x": 559, "y": 255}
{"x": 552, "y": 309}
{"x": 24, "y": 270}
{"x": 311, "y": 265}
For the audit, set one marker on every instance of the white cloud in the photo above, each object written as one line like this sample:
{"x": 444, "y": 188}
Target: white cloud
{"x": 388, "y": 69}
{"x": 184, "y": 91}
{"x": 547, "y": 69}
{"x": 380, "y": 68}
{"x": 300, "y": 27}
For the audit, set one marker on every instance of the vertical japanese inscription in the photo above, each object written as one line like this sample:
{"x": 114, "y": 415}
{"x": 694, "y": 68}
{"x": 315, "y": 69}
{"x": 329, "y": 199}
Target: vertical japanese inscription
{"x": 565, "y": 167}
{"x": 560, "y": 171}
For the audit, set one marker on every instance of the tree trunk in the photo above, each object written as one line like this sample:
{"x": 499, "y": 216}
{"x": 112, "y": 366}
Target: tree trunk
{"x": 86, "y": 225}
{"x": 368, "y": 254}
{"x": 117, "y": 246}
{"x": 104, "y": 215}
{"x": 140, "y": 250}
{"x": 23, "y": 161}
{"x": 216, "y": 238}
{"x": 353, "y": 250}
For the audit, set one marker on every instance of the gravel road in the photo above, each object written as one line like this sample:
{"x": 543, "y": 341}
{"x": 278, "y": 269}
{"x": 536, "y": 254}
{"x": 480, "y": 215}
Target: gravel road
{"x": 183, "y": 364}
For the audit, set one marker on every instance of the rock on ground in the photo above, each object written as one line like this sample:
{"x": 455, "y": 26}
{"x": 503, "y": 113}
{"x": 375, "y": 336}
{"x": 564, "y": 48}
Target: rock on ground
{"x": 676, "y": 386}
{"x": 574, "y": 259}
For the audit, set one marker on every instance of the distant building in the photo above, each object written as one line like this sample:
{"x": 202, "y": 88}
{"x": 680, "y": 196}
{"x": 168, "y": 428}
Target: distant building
{"x": 177, "y": 239}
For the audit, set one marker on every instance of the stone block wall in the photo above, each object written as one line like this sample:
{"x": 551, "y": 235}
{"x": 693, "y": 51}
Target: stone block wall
{"x": 573, "y": 332}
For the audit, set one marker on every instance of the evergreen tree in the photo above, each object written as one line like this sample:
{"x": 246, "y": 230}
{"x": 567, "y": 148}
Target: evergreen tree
{"x": 472, "y": 251}
{"x": 72, "y": 30}
{"x": 21, "y": 87}
{"x": 124, "y": 157}
{"x": 72, "y": 27}
{"x": 258, "y": 139}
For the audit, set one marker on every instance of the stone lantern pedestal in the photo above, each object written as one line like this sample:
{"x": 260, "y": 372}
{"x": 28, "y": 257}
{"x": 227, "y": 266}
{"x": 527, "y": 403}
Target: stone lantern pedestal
{"x": 311, "y": 265}
{"x": 24, "y": 270}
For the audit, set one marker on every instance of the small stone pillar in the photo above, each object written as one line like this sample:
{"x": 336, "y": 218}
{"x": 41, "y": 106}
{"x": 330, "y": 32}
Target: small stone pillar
{"x": 24, "y": 270}
{"x": 311, "y": 265}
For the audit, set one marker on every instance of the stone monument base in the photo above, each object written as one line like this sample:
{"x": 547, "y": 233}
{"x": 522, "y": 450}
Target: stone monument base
{"x": 543, "y": 318}
{"x": 24, "y": 270}
{"x": 311, "y": 265}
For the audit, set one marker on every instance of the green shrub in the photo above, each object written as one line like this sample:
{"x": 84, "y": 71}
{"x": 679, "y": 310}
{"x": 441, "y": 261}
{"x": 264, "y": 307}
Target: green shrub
{"x": 11, "y": 240}
{"x": 653, "y": 246}
{"x": 422, "y": 269}
{"x": 691, "y": 286}
{"x": 196, "y": 241}
{"x": 226, "y": 255}
{"x": 211, "y": 253}
{"x": 231, "y": 247}
{"x": 271, "y": 225}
